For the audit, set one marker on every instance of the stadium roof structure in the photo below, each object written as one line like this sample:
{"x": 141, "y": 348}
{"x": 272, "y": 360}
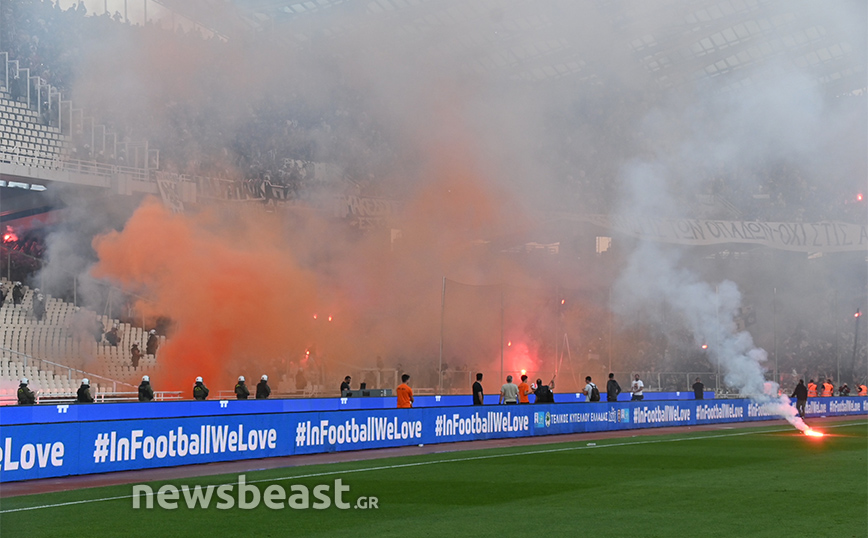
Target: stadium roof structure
{"x": 674, "y": 42}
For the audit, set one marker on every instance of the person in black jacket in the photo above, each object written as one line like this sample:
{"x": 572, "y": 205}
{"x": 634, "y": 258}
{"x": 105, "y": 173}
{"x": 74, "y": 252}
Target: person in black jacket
{"x": 478, "y": 394}
{"x": 146, "y": 392}
{"x": 544, "y": 392}
{"x": 83, "y": 395}
{"x": 801, "y": 396}
{"x": 112, "y": 336}
{"x": 698, "y": 389}
{"x": 200, "y": 391}
{"x": 613, "y": 389}
{"x": 263, "y": 391}
{"x": 25, "y": 395}
{"x": 241, "y": 390}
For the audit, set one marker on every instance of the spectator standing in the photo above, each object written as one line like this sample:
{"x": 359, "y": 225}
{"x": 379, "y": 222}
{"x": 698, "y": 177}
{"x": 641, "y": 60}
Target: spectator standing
{"x": 146, "y": 392}
{"x": 698, "y": 390}
{"x": 544, "y": 393}
{"x": 200, "y": 391}
{"x": 637, "y": 389}
{"x": 405, "y": 393}
{"x": 800, "y": 393}
{"x": 613, "y": 389}
{"x": 25, "y": 395}
{"x": 591, "y": 392}
{"x": 523, "y": 390}
{"x": 241, "y": 390}
{"x": 844, "y": 390}
{"x": 509, "y": 392}
{"x": 83, "y": 395}
{"x": 478, "y": 395}
{"x": 263, "y": 391}
{"x": 345, "y": 386}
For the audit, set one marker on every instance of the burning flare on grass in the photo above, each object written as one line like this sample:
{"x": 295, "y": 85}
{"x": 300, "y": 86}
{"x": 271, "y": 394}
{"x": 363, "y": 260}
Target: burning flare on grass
{"x": 812, "y": 433}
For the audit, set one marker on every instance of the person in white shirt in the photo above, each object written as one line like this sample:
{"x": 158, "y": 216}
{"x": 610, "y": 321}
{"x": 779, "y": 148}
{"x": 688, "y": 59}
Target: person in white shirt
{"x": 509, "y": 392}
{"x": 636, "y": 389}
{"x": 589, "y": 390}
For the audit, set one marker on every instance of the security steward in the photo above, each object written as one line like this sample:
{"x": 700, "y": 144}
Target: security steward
{"x": 200, "y": 391}
{"x": 25, "y": 395}
{"x": 83, "y": 395}
{"x": 241, "y": 390}
{"x": 812, "y": 389}
{"x": 263, "y": 391}
{"x": 146, "y": 392}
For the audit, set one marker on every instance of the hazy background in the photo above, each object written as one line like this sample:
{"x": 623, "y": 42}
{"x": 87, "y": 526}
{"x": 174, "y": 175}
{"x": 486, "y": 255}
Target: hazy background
{"x": 484, "y": 121}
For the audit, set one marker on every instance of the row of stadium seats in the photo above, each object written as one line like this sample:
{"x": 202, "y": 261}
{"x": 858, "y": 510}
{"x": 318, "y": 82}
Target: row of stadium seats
{"x": 46, "y": 382}
{"x": 22, "y": 135}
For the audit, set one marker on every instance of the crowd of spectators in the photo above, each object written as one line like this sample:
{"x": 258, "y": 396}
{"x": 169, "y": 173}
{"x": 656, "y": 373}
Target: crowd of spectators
{"x": 269, "y": 139}
{"x": 274, "y": 137}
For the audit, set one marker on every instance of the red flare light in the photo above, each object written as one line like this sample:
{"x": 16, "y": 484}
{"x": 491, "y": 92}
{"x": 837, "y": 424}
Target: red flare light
{"x": 704, "y": 346}
{"x": 857, "y": 314}
{"x": 314, "y": 316}
{"x": 523, "y": 371}
{"x": 813, "y": 433}
{"x": 859, "y": 197}
{"x": 10, "y": 236}
{"x": 330, "y": 318}
{"x": 509, "y": 344}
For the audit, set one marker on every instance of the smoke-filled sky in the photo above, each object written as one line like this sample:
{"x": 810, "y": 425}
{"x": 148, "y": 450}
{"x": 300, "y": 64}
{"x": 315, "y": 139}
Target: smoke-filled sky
{"x": 482, "y": 120}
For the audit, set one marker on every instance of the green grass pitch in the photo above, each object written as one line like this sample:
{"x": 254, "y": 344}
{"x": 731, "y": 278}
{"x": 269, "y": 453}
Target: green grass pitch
{"x": 758, "y": 481}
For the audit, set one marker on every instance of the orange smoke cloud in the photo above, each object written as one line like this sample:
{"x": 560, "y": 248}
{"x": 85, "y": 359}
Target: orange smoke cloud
{"x": 242, "y": 294}
{"x": 236, "y": 296}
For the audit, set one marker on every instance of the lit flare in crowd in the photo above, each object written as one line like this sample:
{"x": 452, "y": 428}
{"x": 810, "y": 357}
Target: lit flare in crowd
{"x": 10, "y": 236}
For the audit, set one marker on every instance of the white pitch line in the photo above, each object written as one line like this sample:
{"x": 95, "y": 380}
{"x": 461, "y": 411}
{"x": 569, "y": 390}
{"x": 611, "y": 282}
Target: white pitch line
{"x": 434, "y": 462}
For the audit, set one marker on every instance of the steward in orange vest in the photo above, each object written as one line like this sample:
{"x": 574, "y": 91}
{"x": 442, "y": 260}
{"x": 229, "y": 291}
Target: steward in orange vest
{"x": 828, "y": 389}
{"x": 863, "y": 389}
{"x": 812, "y": 389}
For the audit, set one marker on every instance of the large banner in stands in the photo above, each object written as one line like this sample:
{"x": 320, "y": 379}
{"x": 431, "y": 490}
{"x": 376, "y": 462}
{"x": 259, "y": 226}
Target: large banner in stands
{"x": 825, "y": 236}
{"x": 41, "y": 450}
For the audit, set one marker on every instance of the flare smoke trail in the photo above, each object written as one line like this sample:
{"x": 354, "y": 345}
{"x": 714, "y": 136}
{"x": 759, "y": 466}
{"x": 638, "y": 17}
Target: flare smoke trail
{"x": 652, "y": 276}
{"x": 682, "y": 149}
